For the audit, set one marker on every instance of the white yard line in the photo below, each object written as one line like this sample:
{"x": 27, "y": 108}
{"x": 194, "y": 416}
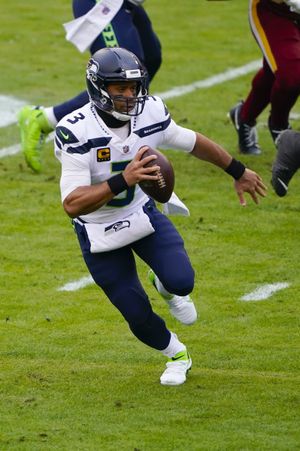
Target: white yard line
{"x": 77, "y": 284}
{"x": 9, "y": 106}
{"x": 259, "y": 294}
{"x": 229, "y": 74}
{"x": 11, "y": 150}
{"x": 16, "y": 148}
{"x": 265, "y": 291}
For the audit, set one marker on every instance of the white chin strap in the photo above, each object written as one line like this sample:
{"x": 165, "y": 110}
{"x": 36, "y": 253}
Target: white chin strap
{"x": 120, "y": 116}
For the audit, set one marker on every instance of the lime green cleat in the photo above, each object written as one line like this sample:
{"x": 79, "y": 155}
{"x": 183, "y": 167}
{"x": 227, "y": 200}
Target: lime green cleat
{"x": 34, "y": 127}
{"x": 152, "y": 277}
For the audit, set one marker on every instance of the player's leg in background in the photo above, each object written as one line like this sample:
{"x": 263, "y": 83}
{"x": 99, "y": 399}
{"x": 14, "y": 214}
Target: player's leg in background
{"x": 279, "y": 40}
{"x": 285, "y": 46}
{"x": 259, "y": 96}
{"x": 245, "y": 113}
{"x": 150, "y": 41}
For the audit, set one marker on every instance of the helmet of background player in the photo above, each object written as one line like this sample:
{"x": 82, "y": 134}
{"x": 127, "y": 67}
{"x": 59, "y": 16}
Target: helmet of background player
{"x": 114, "y": 65}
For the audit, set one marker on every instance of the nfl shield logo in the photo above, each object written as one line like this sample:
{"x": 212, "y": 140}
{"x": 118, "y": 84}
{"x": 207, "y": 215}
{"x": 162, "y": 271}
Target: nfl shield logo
{"x": 125, "y": 149}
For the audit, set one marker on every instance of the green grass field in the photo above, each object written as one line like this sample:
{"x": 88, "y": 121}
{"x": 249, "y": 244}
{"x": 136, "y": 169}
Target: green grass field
{"x": 72, "y": 375}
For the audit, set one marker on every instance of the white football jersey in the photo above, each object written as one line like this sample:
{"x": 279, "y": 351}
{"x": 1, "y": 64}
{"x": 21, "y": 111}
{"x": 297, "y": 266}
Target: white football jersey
{"x": 90, "y": 152}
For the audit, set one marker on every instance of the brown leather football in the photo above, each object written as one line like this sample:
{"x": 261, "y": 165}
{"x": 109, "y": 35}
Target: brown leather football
{"x": 161, "y": 189}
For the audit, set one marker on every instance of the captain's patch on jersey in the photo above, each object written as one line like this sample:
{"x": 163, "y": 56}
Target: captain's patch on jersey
{"x": 103, "y": 154}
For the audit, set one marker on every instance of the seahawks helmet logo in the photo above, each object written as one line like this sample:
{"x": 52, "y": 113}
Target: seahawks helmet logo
{"x": 92, "y": 69}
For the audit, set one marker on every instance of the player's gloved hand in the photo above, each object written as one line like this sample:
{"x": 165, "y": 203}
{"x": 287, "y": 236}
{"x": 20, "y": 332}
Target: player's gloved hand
{"x": 136, "y": 2}
{"x": 294, "y": 5}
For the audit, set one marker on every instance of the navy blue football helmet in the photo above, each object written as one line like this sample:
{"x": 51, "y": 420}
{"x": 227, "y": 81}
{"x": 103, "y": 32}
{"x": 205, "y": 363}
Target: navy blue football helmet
{"x": 111, "y": 65}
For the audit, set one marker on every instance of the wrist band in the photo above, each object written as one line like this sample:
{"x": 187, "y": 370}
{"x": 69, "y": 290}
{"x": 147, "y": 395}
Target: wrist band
{"x": 117, "y": 183}
{"x": 236, "y": 169}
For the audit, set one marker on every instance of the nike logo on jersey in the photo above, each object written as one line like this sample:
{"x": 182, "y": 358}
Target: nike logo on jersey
{"x": 66, "y": 137}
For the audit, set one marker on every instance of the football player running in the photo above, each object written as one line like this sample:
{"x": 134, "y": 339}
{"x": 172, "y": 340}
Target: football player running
{"x": 130, "y": 28}
{"x": 100, "y": 147}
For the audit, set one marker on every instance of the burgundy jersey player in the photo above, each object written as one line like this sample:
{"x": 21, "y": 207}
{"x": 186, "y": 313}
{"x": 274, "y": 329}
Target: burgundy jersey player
{"x": 275, "y": 25}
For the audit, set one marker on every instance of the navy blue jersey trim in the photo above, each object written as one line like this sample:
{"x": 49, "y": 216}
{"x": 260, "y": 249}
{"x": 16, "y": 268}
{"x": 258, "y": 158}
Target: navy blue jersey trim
{"x": 153, "y": 128}
{"x": 90, "y": 144}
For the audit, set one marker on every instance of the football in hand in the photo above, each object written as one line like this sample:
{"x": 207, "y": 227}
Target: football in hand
{"x": 161, "y": 189}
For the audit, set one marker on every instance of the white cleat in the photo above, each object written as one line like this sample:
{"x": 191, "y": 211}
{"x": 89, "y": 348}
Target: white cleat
{"x": 183, "y": 309}
{"x": 177, "y": 369}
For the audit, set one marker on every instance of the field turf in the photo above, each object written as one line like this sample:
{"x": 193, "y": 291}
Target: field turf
{"x": 72, "y": 375}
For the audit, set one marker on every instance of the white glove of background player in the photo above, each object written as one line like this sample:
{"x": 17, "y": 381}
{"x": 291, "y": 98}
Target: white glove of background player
{"x": 294, "y": 5}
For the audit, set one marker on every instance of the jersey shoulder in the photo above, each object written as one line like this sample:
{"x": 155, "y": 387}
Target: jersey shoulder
{"x": 154, "y": 105}
{"x": 78, "y": 132}
{"x": 72, "y": 126}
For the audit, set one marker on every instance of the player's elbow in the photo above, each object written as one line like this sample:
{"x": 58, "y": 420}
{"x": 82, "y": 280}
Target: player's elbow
{"x": 70, "y": 209}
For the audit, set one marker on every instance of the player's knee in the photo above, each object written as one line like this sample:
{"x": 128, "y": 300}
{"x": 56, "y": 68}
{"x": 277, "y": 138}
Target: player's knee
{"x": 289, "y": 80}
{"x": 181, "y": 285}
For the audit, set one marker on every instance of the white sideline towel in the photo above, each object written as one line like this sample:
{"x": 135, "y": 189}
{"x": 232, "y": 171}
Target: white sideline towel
{"x": 84, "y": 30}
{"x": 110, "y": 236}
{"x": 175, "y": 207}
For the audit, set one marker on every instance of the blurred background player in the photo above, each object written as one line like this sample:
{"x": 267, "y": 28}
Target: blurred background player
{"x": 130, "y": 28}
{"x": 287, "y": 161}
{"x": 275, "y": 25}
